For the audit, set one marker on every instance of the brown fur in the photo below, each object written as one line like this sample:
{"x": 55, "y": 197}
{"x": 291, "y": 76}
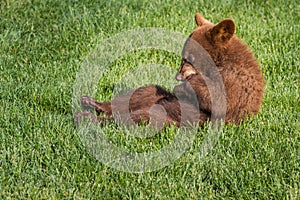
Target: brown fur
{"x": 242, "y": 78}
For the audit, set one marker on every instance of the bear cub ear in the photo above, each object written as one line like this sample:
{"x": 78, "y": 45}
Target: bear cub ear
{"x": 223, "y": 31}
{"x": 200, "y": 20}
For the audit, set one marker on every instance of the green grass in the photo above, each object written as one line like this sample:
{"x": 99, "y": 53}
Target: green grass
{"x": 42, "y": 46}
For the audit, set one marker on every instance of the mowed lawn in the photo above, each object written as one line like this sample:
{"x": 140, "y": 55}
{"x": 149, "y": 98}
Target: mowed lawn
{"x": 42, "y": 46}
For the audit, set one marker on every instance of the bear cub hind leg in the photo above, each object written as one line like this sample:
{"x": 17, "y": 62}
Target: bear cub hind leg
{"x": 137, "y": 104}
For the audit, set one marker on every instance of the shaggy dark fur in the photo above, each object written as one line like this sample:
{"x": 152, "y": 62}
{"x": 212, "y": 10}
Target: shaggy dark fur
{"x": 236, "y": 65}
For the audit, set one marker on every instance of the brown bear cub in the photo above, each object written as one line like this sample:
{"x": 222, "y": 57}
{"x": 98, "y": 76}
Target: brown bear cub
{"x": 227, "y": 84}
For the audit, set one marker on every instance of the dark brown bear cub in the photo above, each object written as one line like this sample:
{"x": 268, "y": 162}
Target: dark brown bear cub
{"x": 230, "y": 92}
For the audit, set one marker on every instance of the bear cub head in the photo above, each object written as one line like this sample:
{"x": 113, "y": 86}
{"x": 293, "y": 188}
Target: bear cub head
{"x": 205, "y": 43}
